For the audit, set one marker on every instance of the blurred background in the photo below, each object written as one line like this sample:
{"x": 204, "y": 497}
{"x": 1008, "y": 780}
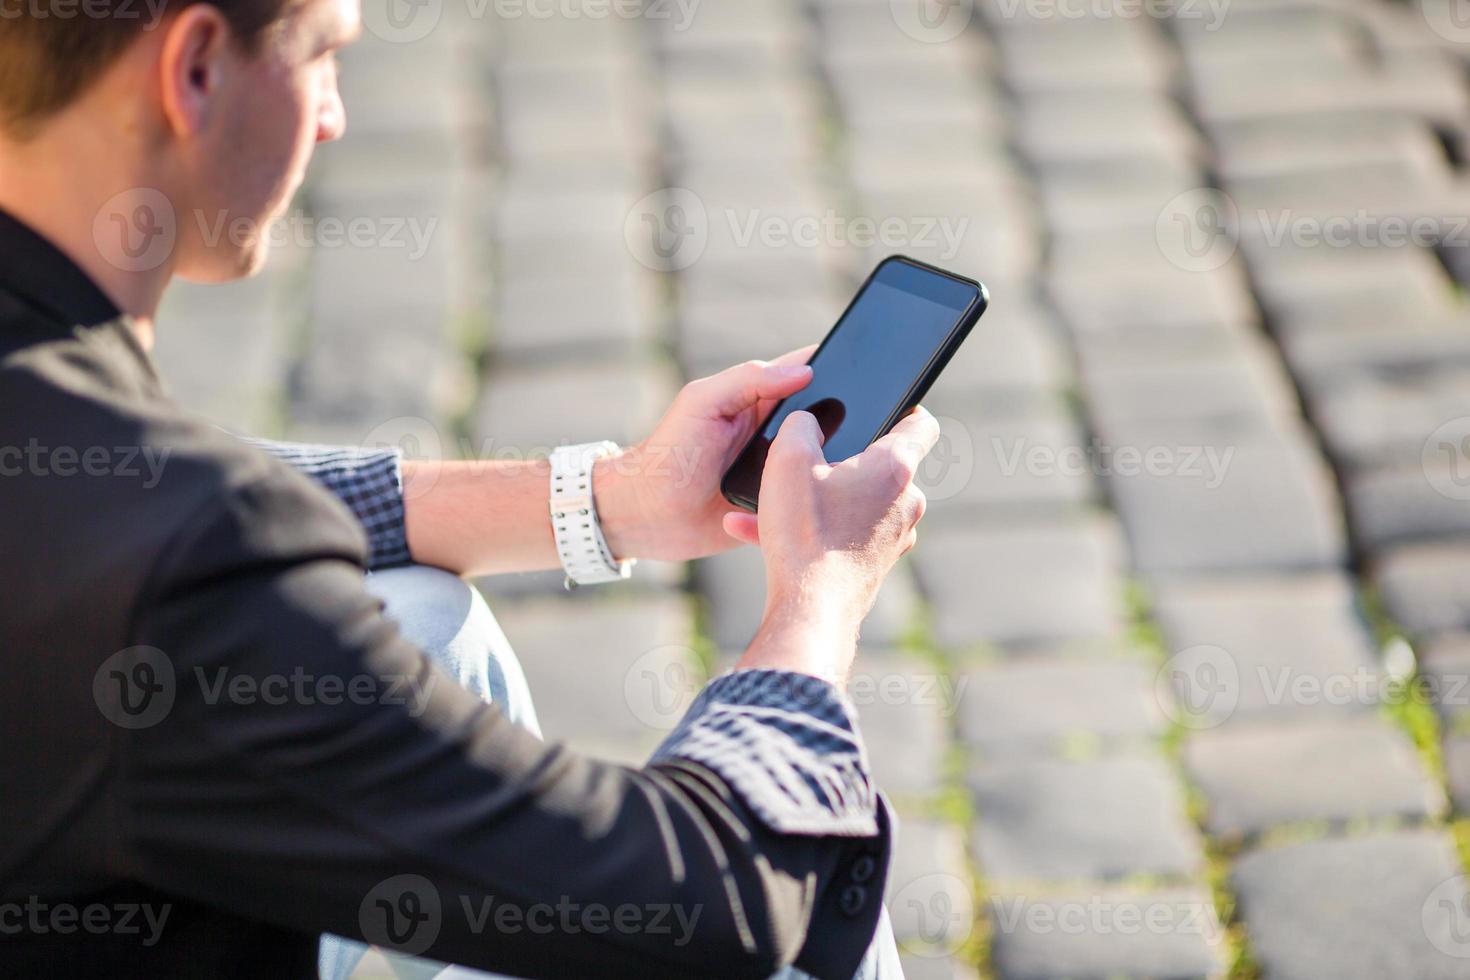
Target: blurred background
{"x": 1175, "y": 682}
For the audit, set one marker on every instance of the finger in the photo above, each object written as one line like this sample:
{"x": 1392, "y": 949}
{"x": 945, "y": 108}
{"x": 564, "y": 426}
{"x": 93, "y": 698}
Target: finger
{"x": 736, "y": 389}
{"x": 742, "y": 526}
{"x": 799, "y": 436}
{"x": 799, "y": 356}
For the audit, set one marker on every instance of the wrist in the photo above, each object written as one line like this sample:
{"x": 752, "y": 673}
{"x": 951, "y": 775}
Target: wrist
{"x": 808, "y": 633}
{"x": 615, "y": 495}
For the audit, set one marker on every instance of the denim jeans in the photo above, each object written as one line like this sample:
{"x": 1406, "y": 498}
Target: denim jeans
{"x": 450, "y": 621}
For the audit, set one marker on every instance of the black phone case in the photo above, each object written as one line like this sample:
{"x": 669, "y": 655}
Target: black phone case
{"x": 916, "y": 391}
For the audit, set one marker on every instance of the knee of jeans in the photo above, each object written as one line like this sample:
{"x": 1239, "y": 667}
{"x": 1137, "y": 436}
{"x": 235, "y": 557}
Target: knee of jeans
{"x": 450, "y": 621}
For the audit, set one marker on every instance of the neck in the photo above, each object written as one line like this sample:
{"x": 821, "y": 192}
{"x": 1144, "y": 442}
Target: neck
{"x": 65, "y": 184}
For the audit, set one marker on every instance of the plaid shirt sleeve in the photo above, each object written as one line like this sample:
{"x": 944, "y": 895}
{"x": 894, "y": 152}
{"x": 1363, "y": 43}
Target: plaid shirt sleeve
{"x": 368, "y": 481}
{"x": 788, "y": 744}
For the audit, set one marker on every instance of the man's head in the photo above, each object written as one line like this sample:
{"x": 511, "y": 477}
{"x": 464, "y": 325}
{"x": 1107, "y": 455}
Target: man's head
{"x": 215, "y": 105}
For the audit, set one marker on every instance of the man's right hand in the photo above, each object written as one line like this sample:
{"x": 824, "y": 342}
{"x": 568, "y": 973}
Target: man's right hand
{"x": 830, "y": 534}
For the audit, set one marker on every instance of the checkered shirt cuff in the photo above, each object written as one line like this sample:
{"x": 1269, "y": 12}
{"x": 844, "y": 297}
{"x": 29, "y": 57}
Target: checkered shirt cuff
{"x": 368, "y": 481}
{"x": 788, "y": 744}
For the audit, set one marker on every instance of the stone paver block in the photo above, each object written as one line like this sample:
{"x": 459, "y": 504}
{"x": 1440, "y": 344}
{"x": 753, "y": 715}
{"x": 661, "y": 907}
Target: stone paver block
{"x": 929, "y": 894}
{"x": 1426, "y": 587}
{"x": 1224, "y": 92}
{"x": 1377, "y": 421}
{"x": 1318, "y": 141}
{"x": 606, "y": 671}
{"x": 1273, "y": 647}
{"x": 1075, "y": 126}
{"x": 1202, "y": 502}
{"x": 1095, "y": 197}
{"x": 734, "y": 585}
{"x": 1034, "y": 705}
{"x": 904, "y": 707}
{"x": 537, "y": 409}
{"x": 1025, "y": 582}
{"x": 1445, "y": 665}
{"x": 1256, "y": 777}
{"x": 1162, "y": 304}
{"x": 1018, "y": 351}
{"x": 1065, "y": 820}
{"x": 1244, "y": 390}
{"x": 222, "y": 357}
{"x": 417, "y": 383}
{"x": 1105, "y": 934}
{"x": 573, "y": 316}
{"x": 1457, "y": 768}
{"x": 719, "y": 332}
{"x": 1391, "y": 905}
{"x": 1036, "y": 461}
{"x": 926, "y": 966}
{"x": 1300, "y": 274}
{"x": 1408, "y": 504}
{"x": 1321, "y": 358}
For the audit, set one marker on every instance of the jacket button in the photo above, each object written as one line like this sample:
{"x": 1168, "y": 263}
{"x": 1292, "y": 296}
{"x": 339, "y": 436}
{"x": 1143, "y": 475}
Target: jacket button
{"x": 863, "y": 868}
{"x": 854, "y": 899}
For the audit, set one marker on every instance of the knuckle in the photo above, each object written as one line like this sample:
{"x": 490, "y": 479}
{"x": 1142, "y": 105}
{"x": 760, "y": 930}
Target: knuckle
{"x": 916, "y": 503}
{"x": 903, "y": 465}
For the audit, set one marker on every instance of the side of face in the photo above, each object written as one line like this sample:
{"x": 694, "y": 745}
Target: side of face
{"x": 244, "y": 126}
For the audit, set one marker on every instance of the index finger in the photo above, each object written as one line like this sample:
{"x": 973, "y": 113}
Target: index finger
{"x": 799, "y": 356}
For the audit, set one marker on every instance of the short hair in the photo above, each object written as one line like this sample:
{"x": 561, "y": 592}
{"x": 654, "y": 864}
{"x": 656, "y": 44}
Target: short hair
{"x": 53, "y": 51}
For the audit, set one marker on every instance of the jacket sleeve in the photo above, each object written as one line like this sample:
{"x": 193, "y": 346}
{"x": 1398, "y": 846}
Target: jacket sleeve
{"x": 368, "y": 481}
{"x": 316, "y": 771}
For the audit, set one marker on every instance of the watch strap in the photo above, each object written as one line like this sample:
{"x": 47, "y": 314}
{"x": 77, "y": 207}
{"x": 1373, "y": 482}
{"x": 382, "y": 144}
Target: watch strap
{"x": 580, "y": 544}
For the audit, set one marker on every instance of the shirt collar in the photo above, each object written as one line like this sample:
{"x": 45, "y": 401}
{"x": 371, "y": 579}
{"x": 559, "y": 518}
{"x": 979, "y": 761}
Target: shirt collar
{"x": 32, "y": 268}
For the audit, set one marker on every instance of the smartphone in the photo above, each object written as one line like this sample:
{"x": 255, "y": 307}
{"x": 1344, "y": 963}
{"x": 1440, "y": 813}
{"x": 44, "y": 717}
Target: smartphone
{"x": 889, "y": 345}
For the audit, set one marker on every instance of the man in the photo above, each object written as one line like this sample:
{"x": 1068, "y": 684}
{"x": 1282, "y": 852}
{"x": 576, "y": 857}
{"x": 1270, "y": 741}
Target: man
{"x": 169, "y": 588}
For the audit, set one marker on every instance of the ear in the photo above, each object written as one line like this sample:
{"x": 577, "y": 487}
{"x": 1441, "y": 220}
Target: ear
{"x": 192, "y": 65}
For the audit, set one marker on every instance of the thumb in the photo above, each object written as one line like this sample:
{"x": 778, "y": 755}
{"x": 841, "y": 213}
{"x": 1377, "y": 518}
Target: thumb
{"x": 742, "y": 526}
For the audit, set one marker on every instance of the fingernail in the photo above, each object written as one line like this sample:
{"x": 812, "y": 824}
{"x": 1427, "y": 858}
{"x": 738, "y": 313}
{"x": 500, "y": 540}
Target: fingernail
{"x": 792, "y": 371}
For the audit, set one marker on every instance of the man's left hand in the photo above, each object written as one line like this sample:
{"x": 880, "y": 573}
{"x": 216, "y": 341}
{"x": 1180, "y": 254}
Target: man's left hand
{"x": 661, "y": 498}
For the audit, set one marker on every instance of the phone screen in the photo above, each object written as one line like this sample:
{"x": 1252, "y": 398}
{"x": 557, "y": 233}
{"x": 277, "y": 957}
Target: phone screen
{"x": 869, "y": 365}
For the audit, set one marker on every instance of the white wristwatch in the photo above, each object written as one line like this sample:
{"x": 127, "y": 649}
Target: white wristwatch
{"x": 584, "y": 553}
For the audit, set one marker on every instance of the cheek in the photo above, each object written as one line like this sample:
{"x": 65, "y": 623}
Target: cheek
{"x": 282, "y": 131}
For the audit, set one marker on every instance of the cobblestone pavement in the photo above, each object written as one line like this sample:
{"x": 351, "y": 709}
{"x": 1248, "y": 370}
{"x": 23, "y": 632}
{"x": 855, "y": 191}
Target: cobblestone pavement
{"x": 1174, "y": 684}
